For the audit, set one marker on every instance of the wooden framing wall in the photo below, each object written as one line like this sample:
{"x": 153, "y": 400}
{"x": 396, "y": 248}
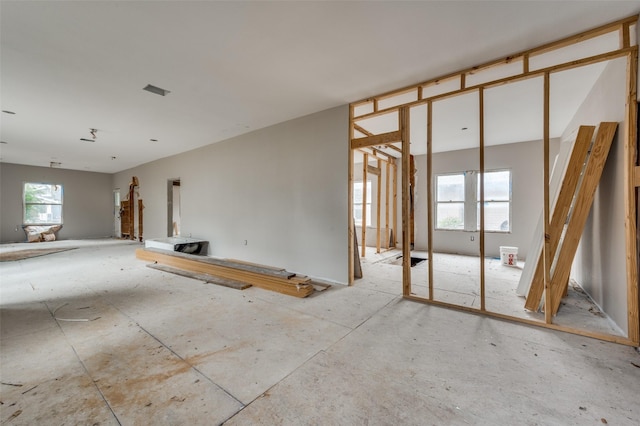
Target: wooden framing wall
{"x": 456, "y": 84}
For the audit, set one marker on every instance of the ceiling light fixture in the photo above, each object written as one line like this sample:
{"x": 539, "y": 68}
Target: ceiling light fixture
{"x": 155, "y": 89}
{"x": 8, "y": 112}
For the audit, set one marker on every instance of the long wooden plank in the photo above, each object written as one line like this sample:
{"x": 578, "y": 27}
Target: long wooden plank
{"x": 258, "y": 265}
{"x": 631, "y": 199}
{"x": 351, "y": 227}
{"x": 394, "y": 208}
{"x": 403, "y": 118}
{"x": 580, "y": 212}
{"x": 577, "y": 331}
{"x": 481, "y": 183}
{"x": 298, "y": 287}
{"x": 510, "y": 79}
{"x": 430, "y": 226}
{"x": 547, "y": 222}
{"x": 207, "y": 278}
{"x": 381, "y": 139}
{"x": 363, "y": 225}
{"x": 386, "y": 205}
{"x": 374, "y": 170}
{"x": 560, "y": 212}
{"x": 379, "y": 195}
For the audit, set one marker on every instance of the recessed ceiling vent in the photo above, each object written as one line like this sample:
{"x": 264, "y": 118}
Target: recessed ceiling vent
{"x": 157, "y": 90}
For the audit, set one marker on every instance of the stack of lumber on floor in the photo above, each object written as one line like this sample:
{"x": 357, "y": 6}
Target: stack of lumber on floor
{"x": 570, "y": 213}
{"x": 260, "y": 276}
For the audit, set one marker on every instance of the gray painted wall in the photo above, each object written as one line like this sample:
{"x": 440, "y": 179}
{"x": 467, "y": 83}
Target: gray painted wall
{"x": 525, "y": 160}
{"x": 87, "y": 201}
{"x": 600, "y": 263}
{"x": 283, "y": 189}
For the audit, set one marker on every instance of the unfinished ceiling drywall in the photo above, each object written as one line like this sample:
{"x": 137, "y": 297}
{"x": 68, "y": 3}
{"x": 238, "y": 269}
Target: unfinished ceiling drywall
{"x": 233, "y": 67}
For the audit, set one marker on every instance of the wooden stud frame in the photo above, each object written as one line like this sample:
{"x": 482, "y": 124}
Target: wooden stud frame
{"x": 632, "y": 170}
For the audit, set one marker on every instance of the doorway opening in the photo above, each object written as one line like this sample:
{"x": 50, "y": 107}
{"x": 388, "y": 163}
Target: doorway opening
{"x": 173, "y": 207}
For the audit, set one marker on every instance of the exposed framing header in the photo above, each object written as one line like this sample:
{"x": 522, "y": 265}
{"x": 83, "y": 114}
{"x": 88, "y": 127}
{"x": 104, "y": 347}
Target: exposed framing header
{"x": 459, "y": 79}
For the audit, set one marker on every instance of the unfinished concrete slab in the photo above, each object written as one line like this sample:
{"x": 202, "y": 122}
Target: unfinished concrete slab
{"x": 417, "y": 365}
{"x": 94, "y": 336}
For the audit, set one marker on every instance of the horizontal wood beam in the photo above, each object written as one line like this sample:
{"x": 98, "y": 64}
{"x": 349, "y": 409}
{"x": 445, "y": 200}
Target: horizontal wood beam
{"x": 510, "y": 79}
{"x": 592, "y": 334}
{"x": 373, "y": 170}
{"x": 381, "y": 139}
{"x": 586, "y": 35}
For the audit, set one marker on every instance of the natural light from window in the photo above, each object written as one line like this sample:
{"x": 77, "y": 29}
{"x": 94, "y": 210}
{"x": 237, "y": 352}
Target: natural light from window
{"x": 458, "y": 204}
{"x": 42, "y": 204}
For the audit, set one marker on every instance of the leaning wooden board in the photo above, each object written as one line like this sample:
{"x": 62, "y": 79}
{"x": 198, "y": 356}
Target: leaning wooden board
{"x": 268, "y": 279}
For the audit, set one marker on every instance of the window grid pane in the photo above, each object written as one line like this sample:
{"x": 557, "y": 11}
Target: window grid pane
{"x": 450, "y": 187}
{"x": 450, "y": 216}
{"x": 42, "y": 204}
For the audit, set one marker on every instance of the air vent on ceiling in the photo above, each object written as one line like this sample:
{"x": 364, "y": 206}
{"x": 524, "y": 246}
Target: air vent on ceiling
{"x": 157, "y": 90}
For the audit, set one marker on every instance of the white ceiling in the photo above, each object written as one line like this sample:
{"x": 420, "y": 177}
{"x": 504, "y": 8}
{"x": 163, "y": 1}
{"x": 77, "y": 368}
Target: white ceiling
{"x": 233, "y": 67}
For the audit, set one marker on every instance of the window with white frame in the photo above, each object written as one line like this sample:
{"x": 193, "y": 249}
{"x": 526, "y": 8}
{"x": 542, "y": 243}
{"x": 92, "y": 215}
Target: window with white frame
{"x": 42, "y": 204}
{"x": 450, "y": 201}
{"x": 358, "y": 203}
{"x": 458, "y": 201}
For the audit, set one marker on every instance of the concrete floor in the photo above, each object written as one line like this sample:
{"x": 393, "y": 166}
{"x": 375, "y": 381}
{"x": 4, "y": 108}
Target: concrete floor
{"x": 457, "y": 281}
{"x": 92, "y": 336}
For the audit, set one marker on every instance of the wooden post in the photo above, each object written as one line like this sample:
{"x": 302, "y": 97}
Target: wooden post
{"x": 403, "y": 116}
{"x": 412, "y": 207}
{"x": 394, "y": 227}
{"x": 379, "y": 195}
{"x": 624, "y": 35}
{"x": 352, "y": 248}
{"x": 365, "y": 164}
{"x": 547, "y": 247}
{"x": 140, "y": 221}
{"x": 430, "y": 226}
{"x": 631, "y": 198}
{"x": 481, "y": 183}
{"x": 386, "y": 205}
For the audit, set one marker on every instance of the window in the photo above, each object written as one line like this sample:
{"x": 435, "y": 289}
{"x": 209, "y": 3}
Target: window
{"x": 42, "y": 204}
{"x": 497, "y": 201}
{"x": 450, "y": 201}
{"x": 458, "y": 201}
{"x": 357, "y": 203}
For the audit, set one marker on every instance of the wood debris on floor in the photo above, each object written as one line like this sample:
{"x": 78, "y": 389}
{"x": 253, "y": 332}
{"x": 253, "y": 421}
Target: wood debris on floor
{"x": 268, "y": 278}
